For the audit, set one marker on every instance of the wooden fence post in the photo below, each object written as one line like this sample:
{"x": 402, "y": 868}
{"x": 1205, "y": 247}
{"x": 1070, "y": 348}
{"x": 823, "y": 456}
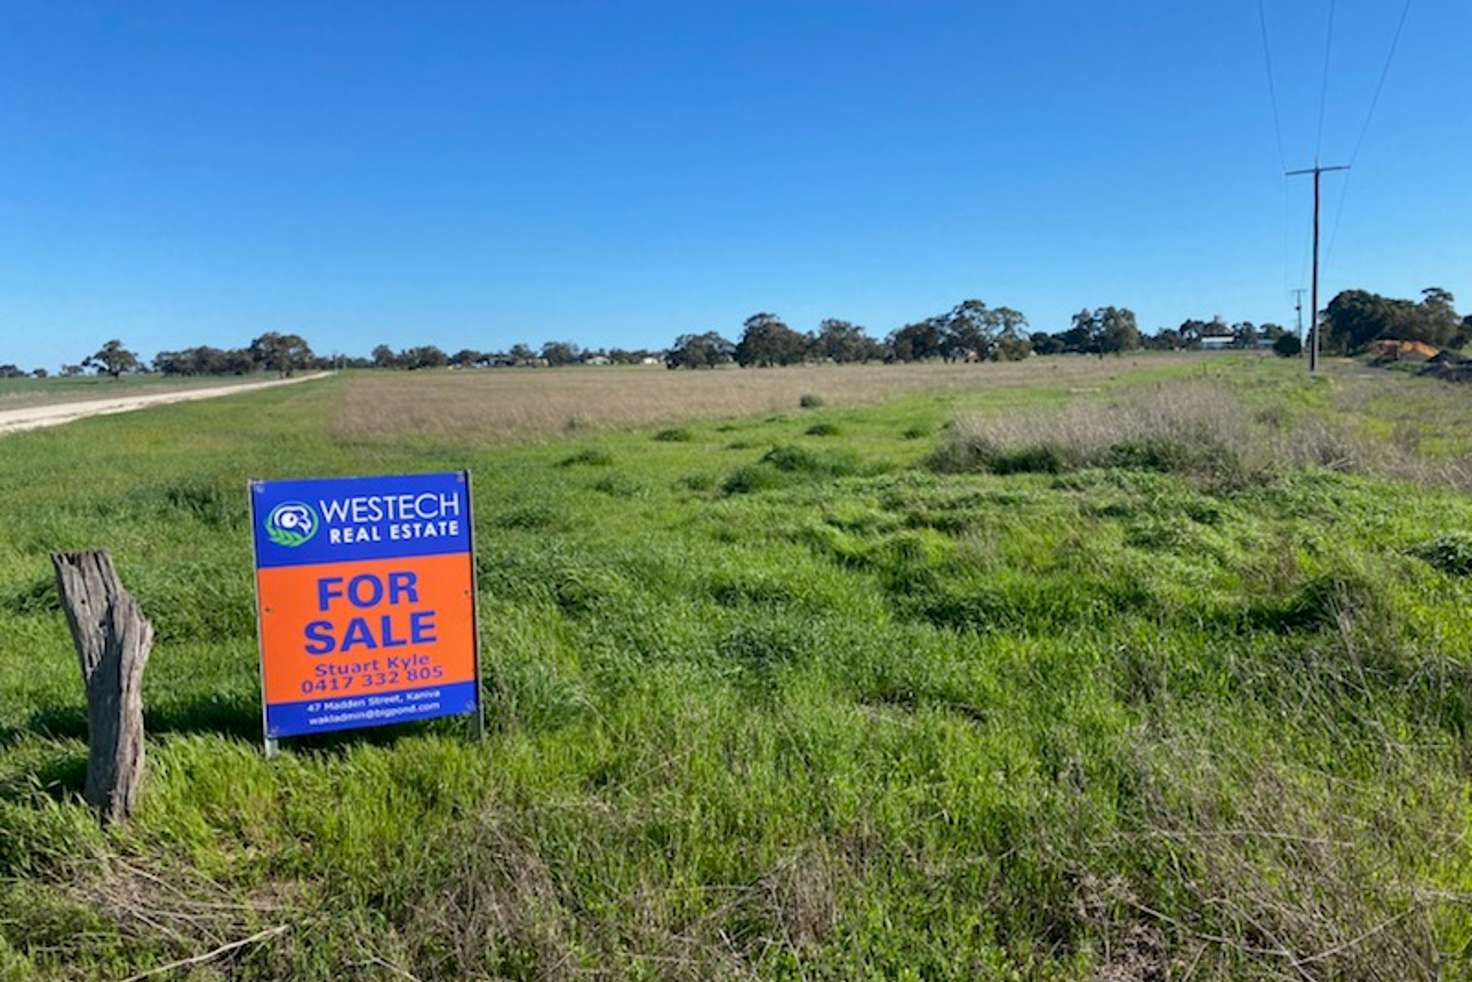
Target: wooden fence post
{"x": 113, "y": 639}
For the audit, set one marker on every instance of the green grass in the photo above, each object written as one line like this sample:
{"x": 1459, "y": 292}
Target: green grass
{"x": 793, "y": 706}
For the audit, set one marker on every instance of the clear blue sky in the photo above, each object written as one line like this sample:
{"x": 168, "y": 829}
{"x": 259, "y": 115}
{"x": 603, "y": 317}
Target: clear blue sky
{"x": 619, "y": 173}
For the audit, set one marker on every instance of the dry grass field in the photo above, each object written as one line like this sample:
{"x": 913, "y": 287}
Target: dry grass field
{"x": 501, "y": 406}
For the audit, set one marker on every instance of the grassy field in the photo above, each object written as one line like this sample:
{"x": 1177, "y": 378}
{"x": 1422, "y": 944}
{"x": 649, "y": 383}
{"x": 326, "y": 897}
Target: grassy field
{"x": 1077, "y": 669}
{"x": 23, "y": 393}
{"x": 471, "y": 408}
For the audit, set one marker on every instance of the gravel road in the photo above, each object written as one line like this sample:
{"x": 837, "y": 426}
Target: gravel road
{"x": 35, "y": 417}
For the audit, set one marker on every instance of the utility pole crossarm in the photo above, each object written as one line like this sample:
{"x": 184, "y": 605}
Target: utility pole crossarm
{"x": 1314, "y": 170}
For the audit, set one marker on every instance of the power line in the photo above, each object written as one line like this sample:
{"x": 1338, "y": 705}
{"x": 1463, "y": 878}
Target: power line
{"x": 1324, "y": 85}
{"x": 1380, "y": 85}
{"x": 1267, "y": 57}
{"x": 1360, "y": 142}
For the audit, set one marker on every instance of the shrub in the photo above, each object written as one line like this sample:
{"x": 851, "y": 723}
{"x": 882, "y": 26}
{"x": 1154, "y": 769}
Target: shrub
{"x": 619, "y": 486}
{"x": 823, "y": 429}
{"x": 810, "y": 400}
{"x": 529, "y": 517}
{"x": 1288, "y": 346}
{"x": 1039, "y": 458}
{"x": 1332, "y": 599}
{"x": 676, "y": 434}
{"x": 753, "y": 478}
{"x": 800, "y": 460}
{"x": 1450, "y": 552}
{"x": 592, "y": 457}
{"x": 783, "y": 466}
{"x": 696, "y": 482}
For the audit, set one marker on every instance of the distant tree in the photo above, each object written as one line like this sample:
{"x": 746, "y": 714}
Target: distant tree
{"x": 1082, "y": 333}
{"x": 1118, "y": 331}
{"x": 1287, "y": 346}
{"x": 766, "y": 340}
{"x": 40, "y": 372}
{"x": 1272, "y": 332}
{"x": 1191, "y": 332}
{"x": 1436, "y": 319}
{"x": 920, "y": 341}
{"x": 11, "y": 371}
{"x": 1245, "y": 334}
{"x": 1044, "y": 343}
{"x": 1436, "y": 296}
{"x": 71, "y": 371}
{"x": 843, "y": 342}
{"x": 521, "y": 353}
{"x": 1012, "y": 346}
{"x": 384, "y": 357}
{"x": 560, "y": 353}
{"x": 169, "y": 363}
{"x": 112, "y": 359}
{"x": 1011, "y": 343}
{"x": 706, "y": 350}
{"x": 238, "y": 361}
{"x": 968, "y": 331}
{"x": 621, "y": 356}
{"x": 204, "y": 360}
{"x": 1164, "y": 339}
{"x": 424, "y": 356}
{"x": 465, "y": 357}
{"x": 280, "y": 353}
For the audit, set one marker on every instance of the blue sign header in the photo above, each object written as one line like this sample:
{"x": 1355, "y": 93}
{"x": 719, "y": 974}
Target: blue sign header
{"x": 344, "y": 519}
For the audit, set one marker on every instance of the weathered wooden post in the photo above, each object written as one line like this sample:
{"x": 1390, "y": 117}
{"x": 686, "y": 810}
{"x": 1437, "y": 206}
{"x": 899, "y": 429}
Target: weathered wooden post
{"x": 113, "y": 639}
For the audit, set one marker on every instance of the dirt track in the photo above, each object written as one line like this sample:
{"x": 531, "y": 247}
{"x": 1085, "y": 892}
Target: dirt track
{"x": 35, "y": 417}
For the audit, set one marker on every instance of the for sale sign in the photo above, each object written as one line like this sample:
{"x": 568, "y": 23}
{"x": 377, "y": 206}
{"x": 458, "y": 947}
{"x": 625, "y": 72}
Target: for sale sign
{"x": 365, "y": 591}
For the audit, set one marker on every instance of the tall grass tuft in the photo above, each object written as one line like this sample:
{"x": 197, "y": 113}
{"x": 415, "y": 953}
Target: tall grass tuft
{"x": 1450, "y": 552}
{"x": 1191, "y": 429}
{"x": 1199, "y": 430}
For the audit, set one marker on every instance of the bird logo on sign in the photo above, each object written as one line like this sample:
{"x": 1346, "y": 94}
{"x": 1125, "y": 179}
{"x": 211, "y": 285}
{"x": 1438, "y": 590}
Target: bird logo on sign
{"x": 291, "y": 524}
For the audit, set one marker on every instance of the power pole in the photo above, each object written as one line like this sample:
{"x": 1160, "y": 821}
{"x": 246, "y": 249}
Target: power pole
{"x": 1298, "y": 309}
{"x": 1313, "y": 348}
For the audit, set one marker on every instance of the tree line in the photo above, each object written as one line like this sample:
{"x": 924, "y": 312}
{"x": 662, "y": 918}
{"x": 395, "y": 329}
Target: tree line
{"x": 1356, "y": 319}
{"x": 969, "y": 331}
{"x": 550, "y": 354}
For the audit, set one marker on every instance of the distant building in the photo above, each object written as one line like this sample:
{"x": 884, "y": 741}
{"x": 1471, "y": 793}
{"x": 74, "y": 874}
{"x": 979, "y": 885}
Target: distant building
{"x": 1217, "y": 342}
